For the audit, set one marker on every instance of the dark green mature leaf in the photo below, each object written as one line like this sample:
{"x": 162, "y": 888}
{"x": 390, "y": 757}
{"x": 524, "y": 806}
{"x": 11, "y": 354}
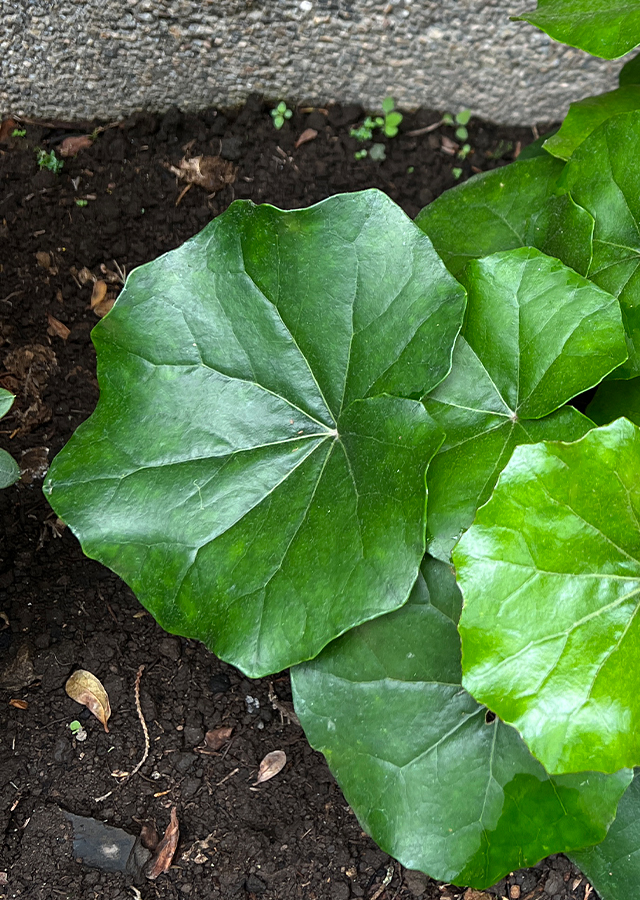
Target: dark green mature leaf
{"x": 614, "y": 399}
{"x": 550, "y": 573}
{"x": 9, "y": 469}
{"x": 535, "y": 148}
{"x": 604, "y": 177}
{"x": 606, "y": 28}
{"x": 239, "y": 472}
{"x": 508, "y": 208}
{"x": 613, "y": 867}
{"x": 535, "y": 335}
{"x": 630, "y": 72}
{"x": 433, "y": 783}
{"x": 586, "y": 115}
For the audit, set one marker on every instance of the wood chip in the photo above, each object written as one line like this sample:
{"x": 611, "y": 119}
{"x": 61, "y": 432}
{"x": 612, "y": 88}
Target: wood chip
{"x": 217, "y": 737}
{"x": 58, "y": 328}
{"x": 6, "y": 129}
{"x": 166, "y": 849}
{"x": 71, "y": 146}
{"x": 309, "y": 134}
{"x": 43, "y": 259}
{"x": 19, "y": 704}
{"x": 514, "y": 892}
{"x": 98, "y": 293}
{"x": 273, "y": 763}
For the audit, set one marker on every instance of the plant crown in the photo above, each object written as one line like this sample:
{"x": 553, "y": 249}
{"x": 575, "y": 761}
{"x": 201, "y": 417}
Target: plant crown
{"x": 295, "y": 406}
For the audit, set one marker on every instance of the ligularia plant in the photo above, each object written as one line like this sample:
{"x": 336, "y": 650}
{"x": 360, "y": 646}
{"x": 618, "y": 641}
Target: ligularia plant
{"x": 341, "y": 441}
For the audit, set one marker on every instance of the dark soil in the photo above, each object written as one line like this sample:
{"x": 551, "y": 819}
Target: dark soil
{"x": 294, "y": 836}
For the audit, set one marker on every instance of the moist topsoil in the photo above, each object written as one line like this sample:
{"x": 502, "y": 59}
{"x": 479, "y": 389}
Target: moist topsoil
{"x": 114, "y": 206}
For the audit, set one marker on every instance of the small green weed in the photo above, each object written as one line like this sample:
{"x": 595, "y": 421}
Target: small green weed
{"x": 18, "y": 132}
{"x": 49, "y": 160}
{"x": 280, "y": 113}
{"x": 460, "y": 122}
{"x": 360, "y": 154}
{"x": 81, "y": 202}
{"x": 456, "y": 172}
{"x": 388, "y": 124}
{"x": 392, "y": 118}
{"x": 464, "y": 151}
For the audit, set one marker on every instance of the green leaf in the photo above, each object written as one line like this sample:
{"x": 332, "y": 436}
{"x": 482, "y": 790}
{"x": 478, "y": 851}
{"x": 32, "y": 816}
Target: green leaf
{"x": 6, "y": 401}
{"x": 245, "y": 471}
{"x": 586, "y": 115}
{"x": 535, "y": 335}
{"x": 613, "y": 867}
{"x": 463, "y": 117}
{"x": 535, "y": 148}
{"x": 435, "y": 785}
{"x": 550, "y": 574}
{"x": 506, "y": 208}
{"x": 606, "y": 28}
{"x": 9, "y": 469}
{"x": 603, "y": 177}
{"x": 630, "y": 72}
{"x": 387, "y": 105}
{"x": 614, "y": 399}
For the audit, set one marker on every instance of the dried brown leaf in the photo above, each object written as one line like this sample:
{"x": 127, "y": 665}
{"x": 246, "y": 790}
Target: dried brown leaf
{"x": 309, "y": 134}
{"x": 85, "y": 275}
{"x": 19, "y": 704}
{"x": 98, "y": 293}
{"x": 448, "y": 146}
{"x": 57, "y": 327}
{"x": 273, "y": 763}
{"x": 209, "y": 172}
{"x": 71, "y": 146}
{"x": 6, "y": 129}
{"x": 166, "y": 849}
{"x": 85, "y": 688}
{"x": 217, "y": 737}
{"x": 101, "y": 309}
{"x": 149, "y": 836}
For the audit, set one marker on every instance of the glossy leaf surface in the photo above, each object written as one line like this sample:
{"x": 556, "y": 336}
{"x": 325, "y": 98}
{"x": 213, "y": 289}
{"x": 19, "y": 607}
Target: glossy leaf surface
{"x": 586, "y": 115}
{"x": 606, "y": 28}
{"x": 535, "y": 335}
{"x": 550, "y": 573}
{"x": 435, "y": 785}
{"x": 9, "y": 469}
{"x": 603, "y": 177}
{"x": 246, "y": 470}
{"x": 615, "y": 399}
{"x": 613, "y": 867}
{"x": 510, "y": 207}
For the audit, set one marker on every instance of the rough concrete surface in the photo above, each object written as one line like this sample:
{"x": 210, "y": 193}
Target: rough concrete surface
{"x": 107, "y": 58}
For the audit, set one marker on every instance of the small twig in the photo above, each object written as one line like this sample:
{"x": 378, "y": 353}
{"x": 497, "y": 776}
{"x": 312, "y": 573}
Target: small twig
{"x": 183, "y": 192}
{"x": 226, "y": 777}
{"x": 385, "y": 882}
{"x": 127, "y": 776}
{"x": 7, "y": 299}
{"x": 425, "y": 130}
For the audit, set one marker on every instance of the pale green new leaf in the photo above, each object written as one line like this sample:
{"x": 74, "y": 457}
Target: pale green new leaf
{"x": 535, "y": 335}
{"x": 604, "y": 177}
{"x": 606, "y": 28}
{"x": 514, "y": 206}
{"x": 613, "y": 867}
{"x": 247, "y": 471}
{"x": 586, "y": 115}
{"x": 436, "y": 785}
{"x": 550, "y": 574}
{"x": 9, "y": 469}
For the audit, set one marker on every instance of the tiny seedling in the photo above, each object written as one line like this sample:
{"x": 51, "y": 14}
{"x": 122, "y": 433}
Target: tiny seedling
{"x": 81, "y": 202}
{"x": 18, "y": 132}
{"x": 460, "y": 122}
{"x": 392, "y": 118}
{"x": 77, "y": 730}
{"x": 280, "y": 113}
{"x": 410, "y": 170}
{"x": 360, "y": 154}
{"x": 365, "y": 131}
{"x": 456, "y": 172}
{"x": 49, "y": 160}
{"x": 464, "y": 151}
{"x": 377, "y": 152}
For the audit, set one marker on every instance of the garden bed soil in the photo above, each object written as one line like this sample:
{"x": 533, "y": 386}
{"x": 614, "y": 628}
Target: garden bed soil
{"x": 293, "y": 836}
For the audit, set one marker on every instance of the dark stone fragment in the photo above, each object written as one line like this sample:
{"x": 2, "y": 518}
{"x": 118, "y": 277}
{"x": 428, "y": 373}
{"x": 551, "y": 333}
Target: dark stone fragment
{"x": 170, "y": 647}
{"x": 182, "y": 762}
{"x": 254, "y": 885}
{"x": 219, "y": 683}
{"x": 231, "y": 148}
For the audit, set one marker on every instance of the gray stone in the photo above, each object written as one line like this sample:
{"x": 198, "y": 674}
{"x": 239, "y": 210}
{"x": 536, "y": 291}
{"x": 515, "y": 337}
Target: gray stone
{"x": 108, "y": 58}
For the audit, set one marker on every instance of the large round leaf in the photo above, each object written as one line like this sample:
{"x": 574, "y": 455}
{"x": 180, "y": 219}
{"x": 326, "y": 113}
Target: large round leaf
{"x": 510, "y": 207}
{"x": 613, "y": 867}
{"x": 550, "y": 573}
{"x": 586, "y": 115}
{"x": 606, "y": 28}
{"x": 535, "y": 335}
{"x": 437, "y": 785}
{"x": 246, "y": 470}
{"x": 603, "y": 176}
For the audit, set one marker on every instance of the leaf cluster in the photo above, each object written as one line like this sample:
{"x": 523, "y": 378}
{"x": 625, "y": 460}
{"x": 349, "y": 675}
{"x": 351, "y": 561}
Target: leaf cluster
{"x": 342, "y": 441}
{"x": 9, "y": 470}
{"x": 387, "y": 123}
{"x": 47, "y": 159}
